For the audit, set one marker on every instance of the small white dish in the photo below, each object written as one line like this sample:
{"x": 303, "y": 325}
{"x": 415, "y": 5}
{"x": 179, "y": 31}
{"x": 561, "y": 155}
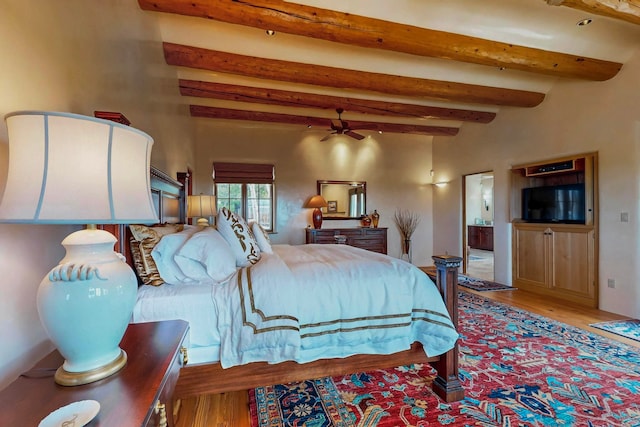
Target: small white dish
{"x": 75, "y": 414}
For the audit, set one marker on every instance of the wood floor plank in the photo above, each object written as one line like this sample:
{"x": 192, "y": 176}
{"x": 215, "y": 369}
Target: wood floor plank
{"x": 215, "y": 410}
{"x": 232, "y": 409}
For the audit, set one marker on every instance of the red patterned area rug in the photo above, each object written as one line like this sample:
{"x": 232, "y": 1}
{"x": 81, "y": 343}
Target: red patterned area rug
{"x": 517, "y": 369}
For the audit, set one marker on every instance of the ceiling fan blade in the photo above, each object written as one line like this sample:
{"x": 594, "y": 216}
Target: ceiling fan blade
{"x": 336, "y": 124}
{"x": 325, "y": 138}
{"x": 355, "y": 135}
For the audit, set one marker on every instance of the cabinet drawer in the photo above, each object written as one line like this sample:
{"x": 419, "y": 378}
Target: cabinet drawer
{"x": 350, "y": 233}
{"x": 372, "y": 239}
{"x": 324, "y": 239}
{"x": 375, "y": 232}
{"x": 361, "y": 243}
{"x": 162, "y": 410}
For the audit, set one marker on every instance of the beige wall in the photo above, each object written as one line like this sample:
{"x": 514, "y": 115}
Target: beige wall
{"x": 395, "y": 167}
{"x": 576, "y": 117}
{"x": 78, "y": 59}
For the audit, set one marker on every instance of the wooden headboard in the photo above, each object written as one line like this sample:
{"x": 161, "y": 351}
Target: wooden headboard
{"x": 169, "y": 199}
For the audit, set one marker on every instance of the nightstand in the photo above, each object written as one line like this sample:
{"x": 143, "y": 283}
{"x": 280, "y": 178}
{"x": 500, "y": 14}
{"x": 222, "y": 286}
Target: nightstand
{"x": 132, "y": 397}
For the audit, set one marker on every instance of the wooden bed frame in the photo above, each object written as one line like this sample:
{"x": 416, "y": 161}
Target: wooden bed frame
{"x": 212, "y": 378}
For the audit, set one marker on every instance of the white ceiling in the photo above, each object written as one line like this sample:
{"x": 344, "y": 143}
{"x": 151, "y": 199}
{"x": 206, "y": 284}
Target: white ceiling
{"x": 530, "y": 23}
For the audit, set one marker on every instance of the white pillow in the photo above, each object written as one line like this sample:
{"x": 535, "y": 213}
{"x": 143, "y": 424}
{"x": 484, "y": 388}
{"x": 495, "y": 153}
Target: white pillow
{"x": 238, "y": 235}
{"x": 211, "y": 252}
{"x": 262, "y": 238}
{"x": 163, "y": 254}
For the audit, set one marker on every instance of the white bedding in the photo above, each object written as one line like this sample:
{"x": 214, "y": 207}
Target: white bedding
{"x": 304, "y": 303}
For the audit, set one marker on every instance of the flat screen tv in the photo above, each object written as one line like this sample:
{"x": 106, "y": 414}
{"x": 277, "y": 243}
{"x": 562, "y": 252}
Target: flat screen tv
{"x": 559, "y": 203}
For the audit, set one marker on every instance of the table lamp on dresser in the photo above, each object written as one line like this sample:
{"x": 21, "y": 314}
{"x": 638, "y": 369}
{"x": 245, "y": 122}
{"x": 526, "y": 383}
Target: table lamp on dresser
{"x": 316, "y": 202}
{"x": 71, "y": 169}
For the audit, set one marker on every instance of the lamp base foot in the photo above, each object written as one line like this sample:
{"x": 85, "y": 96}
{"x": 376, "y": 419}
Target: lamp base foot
{"x": 67, "y": 378}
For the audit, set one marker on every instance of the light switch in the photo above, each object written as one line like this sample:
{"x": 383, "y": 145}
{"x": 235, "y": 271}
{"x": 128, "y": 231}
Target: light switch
{"x": 624, "y": 217}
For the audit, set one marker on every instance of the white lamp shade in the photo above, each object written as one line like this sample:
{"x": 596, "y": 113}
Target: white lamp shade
{"x": 201, "y": 206}
{"x": 72, "y": 169}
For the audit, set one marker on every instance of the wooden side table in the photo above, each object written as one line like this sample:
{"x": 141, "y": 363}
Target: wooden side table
{"x": 132, "y": 397}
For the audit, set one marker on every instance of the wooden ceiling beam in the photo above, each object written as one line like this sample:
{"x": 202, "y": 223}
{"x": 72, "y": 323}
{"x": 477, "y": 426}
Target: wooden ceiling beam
{"x": 319, "y": 122}
{"x": 286, "y": 98}
{"x": 625, "y": 10}
{"x": 367, "y": 32}
{"x": 294, "y": 72}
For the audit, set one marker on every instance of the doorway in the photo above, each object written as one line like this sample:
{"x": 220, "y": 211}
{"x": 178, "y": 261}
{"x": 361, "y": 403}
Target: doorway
{"x": 478, "y": 226}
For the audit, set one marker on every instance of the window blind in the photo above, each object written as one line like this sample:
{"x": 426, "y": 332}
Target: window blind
{"x": 243, "y": 173}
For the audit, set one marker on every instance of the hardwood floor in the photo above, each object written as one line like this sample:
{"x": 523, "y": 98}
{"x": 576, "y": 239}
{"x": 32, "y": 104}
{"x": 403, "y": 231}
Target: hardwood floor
{"x": 231, "y": 409}
{"x": 214, "y": 410}
{"x": 480, "y": 264}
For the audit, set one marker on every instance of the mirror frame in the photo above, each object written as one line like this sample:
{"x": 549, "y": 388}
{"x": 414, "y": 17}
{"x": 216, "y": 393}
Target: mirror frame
{"x": 328, "y": 215}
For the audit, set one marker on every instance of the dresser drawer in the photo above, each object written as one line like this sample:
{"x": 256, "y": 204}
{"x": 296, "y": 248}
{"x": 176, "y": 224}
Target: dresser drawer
{"x": 372, "y": 239}
{"x": 161, "y": 413}
{"x": 324, "y": 239}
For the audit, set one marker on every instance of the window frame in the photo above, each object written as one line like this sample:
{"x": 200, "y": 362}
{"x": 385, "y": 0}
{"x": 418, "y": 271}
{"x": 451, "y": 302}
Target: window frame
{"x": 245, "y": 174}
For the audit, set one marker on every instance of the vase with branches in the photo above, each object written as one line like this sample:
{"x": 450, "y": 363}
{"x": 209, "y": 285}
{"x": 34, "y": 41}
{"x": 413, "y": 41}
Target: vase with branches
{"x": 406, "y": 221}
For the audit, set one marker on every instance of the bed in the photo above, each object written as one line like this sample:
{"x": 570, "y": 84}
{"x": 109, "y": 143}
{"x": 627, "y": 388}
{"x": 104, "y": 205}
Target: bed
{"x": 359, "y": 310}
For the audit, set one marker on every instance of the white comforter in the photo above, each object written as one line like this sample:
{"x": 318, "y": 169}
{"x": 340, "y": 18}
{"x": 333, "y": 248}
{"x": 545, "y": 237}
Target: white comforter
{"x": 309, "y": 302}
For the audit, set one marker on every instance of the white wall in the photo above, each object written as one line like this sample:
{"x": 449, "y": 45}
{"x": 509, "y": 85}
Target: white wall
{"x": 576, "y": 117}
{"x": 71, "y": 56}
{"x": 395, "y": 167}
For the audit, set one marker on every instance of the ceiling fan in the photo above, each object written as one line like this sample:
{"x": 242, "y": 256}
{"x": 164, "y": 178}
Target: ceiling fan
{"x": 341, "y": 127}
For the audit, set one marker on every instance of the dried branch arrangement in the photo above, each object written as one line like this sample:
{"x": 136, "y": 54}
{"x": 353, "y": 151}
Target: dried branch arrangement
{"x": 407, "y": 222}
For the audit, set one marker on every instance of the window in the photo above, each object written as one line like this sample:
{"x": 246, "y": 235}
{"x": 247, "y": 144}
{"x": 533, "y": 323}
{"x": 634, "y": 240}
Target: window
{"x": 247, "y": 190}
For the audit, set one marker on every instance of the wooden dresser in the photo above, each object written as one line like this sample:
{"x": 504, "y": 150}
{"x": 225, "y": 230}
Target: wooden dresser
{"x": 371, "y": 239}
{"x": 480, "y": 237}
{"x": 132, "y": 397}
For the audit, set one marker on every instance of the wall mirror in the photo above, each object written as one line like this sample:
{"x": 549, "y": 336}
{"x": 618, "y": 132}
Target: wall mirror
{"x": 346, "y": 199}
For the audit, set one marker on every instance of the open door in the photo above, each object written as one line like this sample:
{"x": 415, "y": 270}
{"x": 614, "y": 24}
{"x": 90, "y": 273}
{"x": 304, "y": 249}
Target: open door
{"x": 478, "y": 226}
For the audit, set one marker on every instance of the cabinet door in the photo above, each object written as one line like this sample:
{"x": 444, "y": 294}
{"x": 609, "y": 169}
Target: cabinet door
{"x": 487, "y": 239}
{"x": 530, "y": 255}
{"x": 572, "y": 258}
{"x": 473, "y": 237}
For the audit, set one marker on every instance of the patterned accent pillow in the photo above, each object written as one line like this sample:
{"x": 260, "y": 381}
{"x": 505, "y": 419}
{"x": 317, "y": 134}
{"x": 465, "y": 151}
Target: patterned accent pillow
{"x": 143, "y": 240}
{"x": 262, "y": 237}
{"x": 238, "y": 235}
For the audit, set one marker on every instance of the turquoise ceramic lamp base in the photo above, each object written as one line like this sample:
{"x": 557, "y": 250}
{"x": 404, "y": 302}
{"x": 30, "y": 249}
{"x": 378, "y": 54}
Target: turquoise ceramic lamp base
{"x": 85, "y": 304}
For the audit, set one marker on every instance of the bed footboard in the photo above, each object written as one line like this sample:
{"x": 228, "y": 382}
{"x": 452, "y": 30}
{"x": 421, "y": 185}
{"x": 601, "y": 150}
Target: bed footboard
{"x": 447, "y": 383}
{"x": 212, "y": 378}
